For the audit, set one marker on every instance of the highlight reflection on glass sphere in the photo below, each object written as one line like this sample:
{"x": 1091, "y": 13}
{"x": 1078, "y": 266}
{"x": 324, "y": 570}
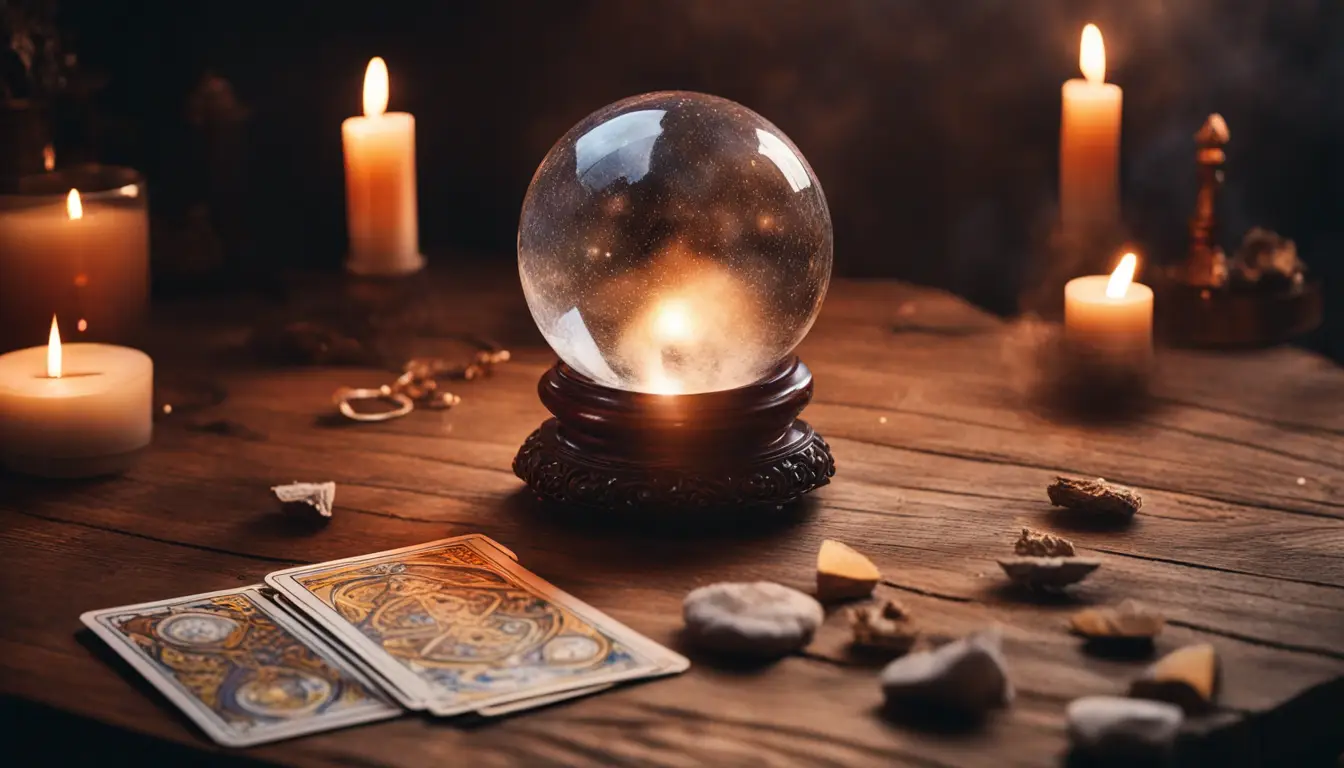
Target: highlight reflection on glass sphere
{"x": 674, "y": 243}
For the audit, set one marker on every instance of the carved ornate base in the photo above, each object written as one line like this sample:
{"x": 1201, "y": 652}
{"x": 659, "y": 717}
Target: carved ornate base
{"x": 557, "y": 473}
{"x": 614, "y": 451}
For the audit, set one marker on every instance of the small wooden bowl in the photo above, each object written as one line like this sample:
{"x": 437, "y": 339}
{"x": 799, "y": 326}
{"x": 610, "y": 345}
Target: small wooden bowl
{"x": 1189, "y": 316}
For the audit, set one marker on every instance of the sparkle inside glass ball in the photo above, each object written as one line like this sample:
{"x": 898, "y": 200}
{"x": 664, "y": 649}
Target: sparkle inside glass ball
{"x": 674, "y": 243}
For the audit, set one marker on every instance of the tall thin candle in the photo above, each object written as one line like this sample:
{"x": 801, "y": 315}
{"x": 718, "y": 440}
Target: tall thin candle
{"x": 380, "y": 183}
{"x": 1089, "y": 145}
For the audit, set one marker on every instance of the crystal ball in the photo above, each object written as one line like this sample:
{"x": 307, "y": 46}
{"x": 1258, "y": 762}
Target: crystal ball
{"x": 674, "y": 243}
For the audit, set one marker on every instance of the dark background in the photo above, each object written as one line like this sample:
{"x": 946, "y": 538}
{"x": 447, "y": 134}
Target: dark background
{"x": 932, "y": 124}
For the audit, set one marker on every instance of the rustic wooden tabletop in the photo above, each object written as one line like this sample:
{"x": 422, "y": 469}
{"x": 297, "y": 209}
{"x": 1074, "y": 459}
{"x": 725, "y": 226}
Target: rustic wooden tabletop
{"x": 942, "y": 459}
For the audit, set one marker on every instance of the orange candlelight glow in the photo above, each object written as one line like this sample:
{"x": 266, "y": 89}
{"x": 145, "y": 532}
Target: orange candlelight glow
{"x": 375, "y": 87}
{"x": 672, "y": 322}
{"x": 49, "y": 158}
{"x": 73, "y": 207}
{"x": 1122, "y": 277}
{"x": 1092, "y": 55}
{"x": 54, "y": 351}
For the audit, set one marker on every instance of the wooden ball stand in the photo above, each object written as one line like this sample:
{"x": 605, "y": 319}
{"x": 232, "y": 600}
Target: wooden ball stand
{"x": 610, "y": 450}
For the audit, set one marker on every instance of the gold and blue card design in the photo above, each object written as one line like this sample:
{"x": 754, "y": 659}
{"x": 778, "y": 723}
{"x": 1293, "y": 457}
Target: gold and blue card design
{"x": 457, "y": 625}
{"x": 239, "y": 666}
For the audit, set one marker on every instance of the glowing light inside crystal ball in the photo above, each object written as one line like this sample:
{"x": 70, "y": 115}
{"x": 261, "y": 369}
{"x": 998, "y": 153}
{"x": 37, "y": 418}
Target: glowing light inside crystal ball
{"x": 674, "y": 243}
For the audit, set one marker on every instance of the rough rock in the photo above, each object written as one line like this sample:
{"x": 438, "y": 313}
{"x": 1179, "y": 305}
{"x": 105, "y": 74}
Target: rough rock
{"x": 1095, "y": 496}
{"x": 966, "y": 676}
{"x": 885, "y": 627}
{"x": 1266, "y": 258}
{"x": 1033, "y": 543}
{"x": 761, "y": 619}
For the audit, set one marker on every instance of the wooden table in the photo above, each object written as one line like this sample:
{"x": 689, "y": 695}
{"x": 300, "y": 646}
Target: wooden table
{"x": 941, "y": 461}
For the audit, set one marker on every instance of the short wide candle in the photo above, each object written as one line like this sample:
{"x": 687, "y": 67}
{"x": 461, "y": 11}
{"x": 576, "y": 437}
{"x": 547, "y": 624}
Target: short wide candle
{"x": 90, "y": 420}
{"x": 1108, "y": 321}
{"x": 380, "y": 184}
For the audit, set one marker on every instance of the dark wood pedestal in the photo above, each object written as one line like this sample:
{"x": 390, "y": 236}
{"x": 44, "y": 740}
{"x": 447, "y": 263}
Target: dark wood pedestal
{"x": 613, "y": 450}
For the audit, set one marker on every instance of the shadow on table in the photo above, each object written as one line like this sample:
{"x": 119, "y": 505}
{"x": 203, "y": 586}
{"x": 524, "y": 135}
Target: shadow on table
{"x": 619, "y": 546}
{"x": 43, "y": 735}
{"x": 716, "y": 525}
{"x": 931, "y": 719}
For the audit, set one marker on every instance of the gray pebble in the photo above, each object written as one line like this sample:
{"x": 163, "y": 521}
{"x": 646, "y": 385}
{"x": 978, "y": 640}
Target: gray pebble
{"x": 761, "y": 618}
{"x": 1134, "y": 731}
{"x": 967, "y": 676}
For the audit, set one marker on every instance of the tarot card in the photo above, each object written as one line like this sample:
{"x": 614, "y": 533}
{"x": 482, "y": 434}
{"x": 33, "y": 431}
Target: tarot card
{"x": 459, "y": 625}
{"x": 500, "y": 710}
{"x": 406, "y": 700}
{"x": 239, "y": 667}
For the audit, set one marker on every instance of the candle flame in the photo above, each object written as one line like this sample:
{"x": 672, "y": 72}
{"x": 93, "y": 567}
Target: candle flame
{"x": 375, "y": 87}
{"x": 1092, "y": 55}
{"x": 1118, "y": 285}
{"x": 73, "y": 206}
{"x": 49, "y": 157}
{"x": 54, "y": 351}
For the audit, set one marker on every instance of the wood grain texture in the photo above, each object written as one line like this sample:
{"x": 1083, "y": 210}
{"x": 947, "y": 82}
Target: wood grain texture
{"x": 942, "y": 457}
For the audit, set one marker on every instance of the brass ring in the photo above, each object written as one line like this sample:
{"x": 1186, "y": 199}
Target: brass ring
{"x": 347, "y": 395}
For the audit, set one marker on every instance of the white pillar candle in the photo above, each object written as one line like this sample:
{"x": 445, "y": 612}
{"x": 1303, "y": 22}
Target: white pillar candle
{"x": 85, "y": 259}
{"x": 1108, "y": 321}
{"x": 74, "y": 410}
{"x": 380, "y": 184}
{"x": 1089, "y": 146}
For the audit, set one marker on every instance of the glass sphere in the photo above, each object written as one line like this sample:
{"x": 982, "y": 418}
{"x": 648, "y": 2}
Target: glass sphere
{"x": 674, "y": 243}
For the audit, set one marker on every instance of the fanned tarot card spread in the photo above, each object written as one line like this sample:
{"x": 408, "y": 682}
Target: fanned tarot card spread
{"x": 239, "y": 666}
{"x": 457, "y": 625}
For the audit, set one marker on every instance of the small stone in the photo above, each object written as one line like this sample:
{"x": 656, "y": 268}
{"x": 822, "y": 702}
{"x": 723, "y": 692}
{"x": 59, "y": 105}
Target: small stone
{"x": 1033, "y": 543}
{"x": 319, "y": 496}
{"x": 1048, "y": 573}
{"x": 1128, "y": 620}
{"x": 1266, "y": 258}
{"x": 1186, "y": 677}
{"x": 1123, "y": 731}
{"x": 1095, "y": 496}
{"x": 966, "y": 676}
{"x": 761, "y": 619}
{"x": 885, "y": 628}
{"x": 843, "y": 574}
